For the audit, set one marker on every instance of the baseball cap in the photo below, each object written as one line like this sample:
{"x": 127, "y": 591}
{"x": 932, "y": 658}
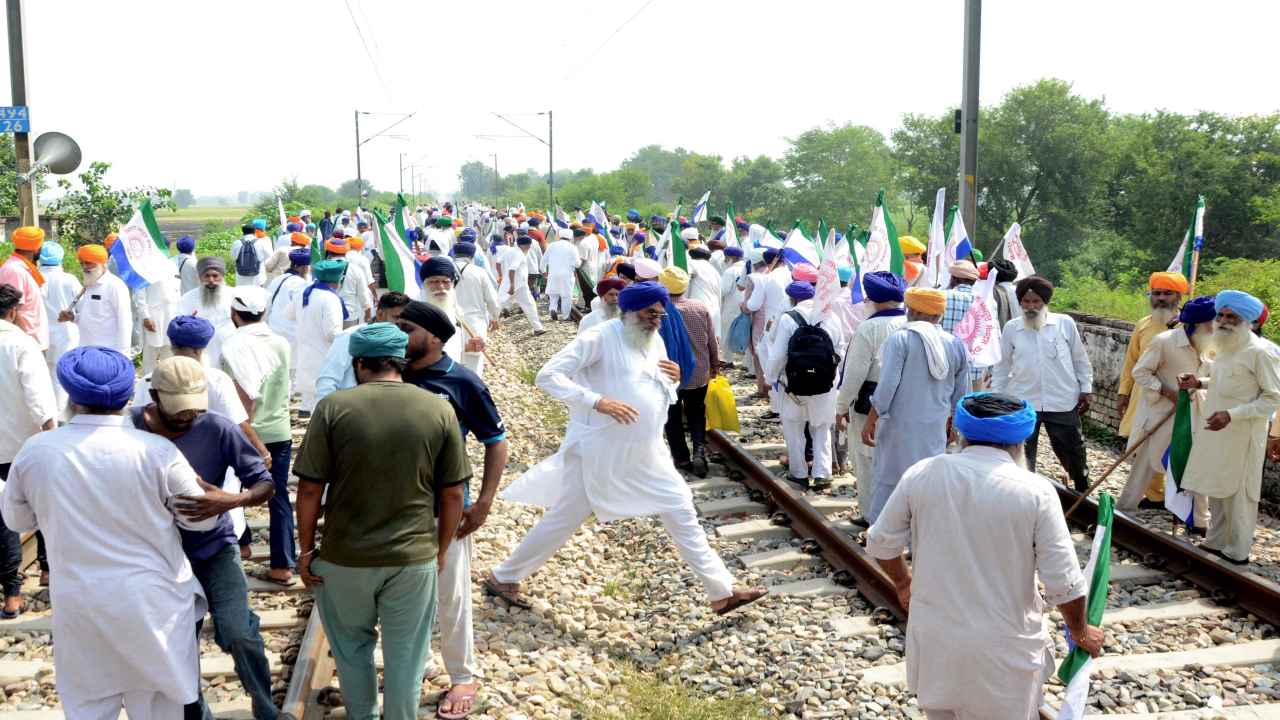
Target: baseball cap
{"x": 180, "y": 384}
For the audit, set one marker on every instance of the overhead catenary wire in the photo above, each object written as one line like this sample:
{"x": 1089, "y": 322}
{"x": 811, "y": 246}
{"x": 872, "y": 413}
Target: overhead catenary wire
{"x": 612, "y": 35}
{"x": 359, "y": 33}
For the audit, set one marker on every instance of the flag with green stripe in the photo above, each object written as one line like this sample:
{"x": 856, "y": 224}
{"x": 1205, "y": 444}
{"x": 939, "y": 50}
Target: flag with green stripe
{"x": 1192, "y": 241}
{"x": 398, "y": 264}
{"x": 1075, "y": 668}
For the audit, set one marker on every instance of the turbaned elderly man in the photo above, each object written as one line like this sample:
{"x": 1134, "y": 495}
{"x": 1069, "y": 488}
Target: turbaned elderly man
{"x": 618, "y": 383}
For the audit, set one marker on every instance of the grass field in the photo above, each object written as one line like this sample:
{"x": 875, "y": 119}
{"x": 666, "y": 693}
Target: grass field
{"x": 201, "y": 214}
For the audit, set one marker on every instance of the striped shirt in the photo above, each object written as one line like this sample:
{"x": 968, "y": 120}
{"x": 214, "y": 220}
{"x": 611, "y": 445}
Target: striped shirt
{"x": 706, "y": 352}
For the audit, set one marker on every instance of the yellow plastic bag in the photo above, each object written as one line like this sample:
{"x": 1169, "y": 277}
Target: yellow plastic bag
{"x": 722, "y": 409}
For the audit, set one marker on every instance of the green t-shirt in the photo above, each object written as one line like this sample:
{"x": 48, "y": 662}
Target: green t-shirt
{"x": 383, "y": 448}
{"x": 271, "y": 411}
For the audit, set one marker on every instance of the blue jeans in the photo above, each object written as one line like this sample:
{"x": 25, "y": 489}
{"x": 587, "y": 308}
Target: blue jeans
{"x": 284, "y": 550}
{"x": 235, "y": 630}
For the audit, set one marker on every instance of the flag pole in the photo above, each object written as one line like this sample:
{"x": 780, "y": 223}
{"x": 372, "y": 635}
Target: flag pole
{"x": 1130, "y": 451}
{"x": 1195, "y": 269}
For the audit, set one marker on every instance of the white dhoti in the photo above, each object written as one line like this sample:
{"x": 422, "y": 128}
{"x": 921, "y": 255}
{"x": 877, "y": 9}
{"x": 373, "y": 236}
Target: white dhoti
{"x": 524, "y": 299}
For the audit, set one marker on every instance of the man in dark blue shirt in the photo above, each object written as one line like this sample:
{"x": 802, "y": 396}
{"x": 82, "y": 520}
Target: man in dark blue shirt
{"x": 212, "y": 444}
{"x": 429, "y": 328}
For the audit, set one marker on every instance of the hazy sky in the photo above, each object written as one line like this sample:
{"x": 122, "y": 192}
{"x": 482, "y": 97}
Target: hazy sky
{"x": 237, "y": 94}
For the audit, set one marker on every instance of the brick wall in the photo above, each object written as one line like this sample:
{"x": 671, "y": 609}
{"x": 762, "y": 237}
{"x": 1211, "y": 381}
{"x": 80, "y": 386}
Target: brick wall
{"x": 1105, "y": 341}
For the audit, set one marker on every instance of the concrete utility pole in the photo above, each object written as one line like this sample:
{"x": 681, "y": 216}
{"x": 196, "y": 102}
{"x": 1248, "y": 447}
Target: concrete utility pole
{"x": 359, "y": 174}
{"x": 28, "y": 212}
{"x": 551, "y": 165}
{"x": 969, "y": 116}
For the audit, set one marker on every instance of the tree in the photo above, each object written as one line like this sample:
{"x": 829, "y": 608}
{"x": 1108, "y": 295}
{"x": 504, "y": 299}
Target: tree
{"x": 698, "y": 174}
{"x": 94, "y": 209}
{"x": 835, "y": 174}
{"x": 351, "y": 188}
{"x": 926, "y": 156}
{"x": 754, "y": 187}
{"x": 183, "y": 198}
{"x": 477, "y": 180}
{"x": 661, "y": 166}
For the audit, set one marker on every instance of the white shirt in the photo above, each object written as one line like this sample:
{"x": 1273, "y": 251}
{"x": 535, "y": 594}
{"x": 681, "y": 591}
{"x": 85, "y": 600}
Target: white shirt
{"x": 223, "y": 398}
{"x": 336, "y": 373}
{"x": 355, "y": 288}
{"x": 981, "y": 530}
{"x": 218, "y": 312}
{"x": 512, "y": 260}
{"x": 160, "y": 305}
{"x": 105, "y": 315}
{"x": 186, "y": 264}
{"x": 261, "y": 246}
{"x": 60, "y": 290}
{"x": 103, "y": 493}
{"x": 1048, "y": 369}
{"x": 769, "y": 294}
{"x": 816, "y": 409}
{"x": 862, "y": 359}
{"x": 318, "y": 324}
{"x": 476, "y": 296}
{"x": 26, "y": 390}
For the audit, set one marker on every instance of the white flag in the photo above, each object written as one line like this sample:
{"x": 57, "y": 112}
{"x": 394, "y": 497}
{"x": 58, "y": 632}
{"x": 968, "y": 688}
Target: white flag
{"x": 140, "y": 254}
{"x": 979, "y": 329}
{"x": 935, "y": 272}
{"x": 877, "y": 253}
{"x": 700, "y": 209}
{"x": 1016, "y": 253}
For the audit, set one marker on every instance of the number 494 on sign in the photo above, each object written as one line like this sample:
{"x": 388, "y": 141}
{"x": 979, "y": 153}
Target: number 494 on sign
{"x": 15, "y": 119}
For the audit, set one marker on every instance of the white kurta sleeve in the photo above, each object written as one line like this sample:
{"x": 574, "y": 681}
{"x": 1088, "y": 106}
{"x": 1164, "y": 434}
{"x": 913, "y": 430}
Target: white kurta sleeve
{"x": 777, "y": 355}
{"x": 37, "y": 387}
{"x": 1144, "y": 370}
{"x": 556, "y": 376}
{"x": 124, "y": 316}
{"x": 1000, "y": 373}
{"x": 857, "y": 367}
{"x": 1267, "y": 373}
{"x": 891, "y": 532}
{"x": 1056, "y": 562}
{"x": 491, "y": 296}
{"x": 331, "y": 319}
{"x": 756, "y": 301}
{"x": 1079, "y": 358}
{"x": 18, "y": 514}
{"x": 179, "y": 482}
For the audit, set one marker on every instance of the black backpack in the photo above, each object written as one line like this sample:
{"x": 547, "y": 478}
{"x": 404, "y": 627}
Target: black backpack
{"x": 811, "y": 359}
{"x": 248, "y": 263}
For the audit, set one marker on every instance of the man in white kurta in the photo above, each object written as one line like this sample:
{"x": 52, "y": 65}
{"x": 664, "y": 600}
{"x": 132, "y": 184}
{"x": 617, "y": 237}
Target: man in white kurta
{"x": 477, "y": 304}
{"x": 281, "y": 293}
{"x": 107, "y": 496}
{"x": 513, "y": 264}
{"x": 982, "y": 530}
{"x": 159, "y": 305}
{"x": 60, "y": 290}
{"x": 104, "y": 313}
{"x": 1167, "y": 356}
{"x": 588, "y": 254}
{"x": 317, "y": 310}
{"x": 1228, "y": 448}
{"x": 860, "y": 372}
{"x": 704, "y": 285}
{"x": 185, "y": 261}
{"x": 559, "y": 262}
{"x": 731, "y": 293}
{"x": 769, "y": 297}
{"x": 617, "y": 384}
{"x": 817, "y": 411}
{"x": 605, "y": 307}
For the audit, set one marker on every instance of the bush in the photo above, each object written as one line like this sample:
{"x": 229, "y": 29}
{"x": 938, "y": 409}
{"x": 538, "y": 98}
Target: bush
{"x": 1259, "y": 278}
{"x": 1093, "y": 296}
{"x": 218, "y": 243}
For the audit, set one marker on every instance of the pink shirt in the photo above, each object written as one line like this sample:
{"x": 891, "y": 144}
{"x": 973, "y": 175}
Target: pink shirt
{"x": 31, "y": 316}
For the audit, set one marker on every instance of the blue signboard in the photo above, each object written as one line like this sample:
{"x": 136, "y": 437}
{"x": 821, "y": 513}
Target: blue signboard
{"x": 15, "y": 119}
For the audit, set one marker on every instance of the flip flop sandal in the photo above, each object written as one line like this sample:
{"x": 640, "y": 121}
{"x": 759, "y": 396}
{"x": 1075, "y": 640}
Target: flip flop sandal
{"x": 6, "y": 615}
{"x": 264, "y": 576}
{"x": 512, "y": 598}
{"x": 746, "y": 597}
{"x": 460, "y": 696}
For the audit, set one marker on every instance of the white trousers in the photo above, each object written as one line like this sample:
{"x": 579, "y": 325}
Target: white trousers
{"x": 573, "y": 508}
{"x": 560, "y": 305}
{"x": 152, "y": 354}
{"x": 59, "y": 393}
{"x": 245, "y": 280}
{"x": 524, "y": 299}
{"x": 139, "y": 704}
{"x": 1231, "y": 525}
{"x": 453, "y": 614}
{"x": 863, "y": 458}
{"x": 1147, "y": 463}
{"x": 820, "y": 437}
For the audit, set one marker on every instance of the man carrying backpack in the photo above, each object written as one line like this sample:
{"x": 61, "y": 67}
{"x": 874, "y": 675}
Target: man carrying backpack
{"x": 690, "y": 409}
{"x": 802, "y": 361}
{"x": 248, "y": 254}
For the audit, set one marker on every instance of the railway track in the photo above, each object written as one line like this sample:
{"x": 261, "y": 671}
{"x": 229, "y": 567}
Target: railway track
{"x": 803, "y": 544}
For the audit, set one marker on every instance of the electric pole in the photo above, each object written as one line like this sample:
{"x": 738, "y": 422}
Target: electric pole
{"x": 359, "y": 174}
{"x": 551, "y": 166}
{"x": 402, "y": 173}
{"x": 969, "y": 116}
{"x": 28, "y": 212}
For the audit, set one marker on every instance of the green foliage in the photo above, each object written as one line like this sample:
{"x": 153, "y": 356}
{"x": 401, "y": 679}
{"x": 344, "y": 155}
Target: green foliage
{"x": 644, "y": 697}
{"x": 94, "y": 209}
{"x": 1259, "y": 278}
{"x": 9, "y": 177}
{"x": 835, "y": 173}
{"x": 1087, "y": 294}
{"x": 183, "y": 198}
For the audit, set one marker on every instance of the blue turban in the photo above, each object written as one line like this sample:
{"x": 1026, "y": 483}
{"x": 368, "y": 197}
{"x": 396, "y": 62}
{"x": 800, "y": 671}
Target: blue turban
{"x": 742, "y": 225}
{"x": 524, "y": 240}
{"x": 97, "y": 377}
{"x": 301, "y": 256}
{"x": 617, "y": 250}
{"x": 293, "y": 227}
{"x": 800, "y": 290}
{"x": 615, "y": 231}
{"x": 651, "y": 252}
{"x": 844, "y": 273}
{"x": 468, "y": 234}
{"x": 259, "y": 224}
{"x": 1198, "y": 310}
{"x": 534, "y": 222}
{"x": 1008, "y": 429}
{"x": 186, "y": 244}
{"x": 462, "y": 248}
{"x": 51, "y": 254}
{"x": 641, "y": 295}
{"x": 770, "y": 254}
{"x": 438, "y": 266}
{"x": 657, "y": 218}
{"x": 1240, "y": 303}
{"x": 633, "y": 215}
{"x": 378, "y": 340}
{"x": 733, "y": 252}
{"x": 883, "y": 286}
{"x": 639, "y": 237}
{"x": 189, "y": 331}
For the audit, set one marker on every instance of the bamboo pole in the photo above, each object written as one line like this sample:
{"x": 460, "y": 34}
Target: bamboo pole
{"x": 1130, "y": 451}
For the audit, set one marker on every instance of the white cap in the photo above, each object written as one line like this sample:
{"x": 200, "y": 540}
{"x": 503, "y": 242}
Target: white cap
{"x": 689, "y": 233}
{"x": 565, "y": 233}
{"x": 249, "y": 298}
{"x": 646, "y": 269}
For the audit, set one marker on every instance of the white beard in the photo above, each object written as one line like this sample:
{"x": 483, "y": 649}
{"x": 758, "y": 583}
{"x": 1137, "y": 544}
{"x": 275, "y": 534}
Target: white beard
{"x": 1230, "y": 340}
{"x": 1163, "y": 316}
{"x": 446, "y": 301}
{"x": 609, "y": 312}
{"x": 210, "y": 297}
{"x": 635, "y": 335}
{"x": 1203, "y": 339}
{"x": 1035, "y": 320}
{"x": 92, "y": 278}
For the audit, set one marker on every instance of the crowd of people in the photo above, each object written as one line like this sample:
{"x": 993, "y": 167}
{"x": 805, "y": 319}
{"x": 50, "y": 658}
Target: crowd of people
{"x": 135, "y": 483}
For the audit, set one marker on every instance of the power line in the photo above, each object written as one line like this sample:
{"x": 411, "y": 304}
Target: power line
{"x": 377, "y": 72}
{"x": 613, "y": 34}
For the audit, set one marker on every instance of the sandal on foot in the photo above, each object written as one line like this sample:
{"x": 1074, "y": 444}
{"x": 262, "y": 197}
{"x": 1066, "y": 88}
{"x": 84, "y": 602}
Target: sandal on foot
{"x": 6, "y": 615}
{"x": 742, "y": 597}
{"x": 513, "y": 597}
{"x": 265, "y": 576}
{"x": 453, "y": 699}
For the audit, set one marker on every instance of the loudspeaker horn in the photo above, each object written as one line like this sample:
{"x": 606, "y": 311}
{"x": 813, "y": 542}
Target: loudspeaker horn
{"x": 57, "y": 153}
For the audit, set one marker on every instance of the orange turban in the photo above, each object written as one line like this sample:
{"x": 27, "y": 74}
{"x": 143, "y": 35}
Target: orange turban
{"x": 109, "y": 241}
{"x": 294, "y": 219}
{"x": 927, "y": 301}
{"x": 337, "y": 248}
{"x": 1176, "y": 282}
{"x": 95, "y": 254}
{"x": 29, "y": 238}
{"x": 913, "y": 270}
{"x": 356, "y": 242}
{"x": 300, "y": 239}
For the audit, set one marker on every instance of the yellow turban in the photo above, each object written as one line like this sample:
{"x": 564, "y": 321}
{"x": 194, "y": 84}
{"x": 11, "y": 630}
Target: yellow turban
{"x": 28, "y": 238}
{"x": 1169, "y": 281}
{"x": 927, "y": 301}
{"x": 356, "y": 242}
{"x": 95, "y": 254}
{"x": 910, "y": 245}
{"x": 675, "y": 280}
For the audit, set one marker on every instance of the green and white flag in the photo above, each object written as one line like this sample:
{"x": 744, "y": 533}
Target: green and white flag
{"x": 883, "y": 251}
{"x": 397, "y": 262}
{"x": 1075, "y": 668}
{"x": 1192, "y": 239}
